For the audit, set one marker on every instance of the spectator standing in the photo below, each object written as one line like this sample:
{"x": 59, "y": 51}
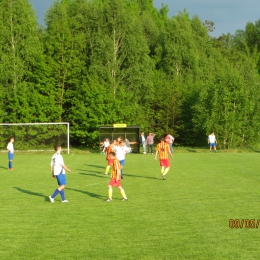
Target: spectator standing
{"x": 150, "y": 142}
{"x": 212, "y": 141}
{"x": 142, "y": 140}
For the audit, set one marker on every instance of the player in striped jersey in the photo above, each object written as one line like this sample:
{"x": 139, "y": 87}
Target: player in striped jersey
{"x": 115, "y": 178}
{"x": 163, "y": 149}
{"x": 109, "y": 149}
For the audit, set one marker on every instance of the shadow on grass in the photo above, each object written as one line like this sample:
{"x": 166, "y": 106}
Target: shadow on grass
{"x": 32, "y": 193}
{"x": 191, "y": 150}
{"x": 93, "y": 173}
{"x": 90, "y": 194}
{"x": 95, "y": 166}
{"x": 3, "y": 167}
{"x": 139, "y": 176}
{"x": 254, "y": 150}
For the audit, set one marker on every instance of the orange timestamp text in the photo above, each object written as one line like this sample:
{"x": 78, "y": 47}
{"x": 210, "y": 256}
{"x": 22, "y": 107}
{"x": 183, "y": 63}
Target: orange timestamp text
{"x": 244, "y": 223}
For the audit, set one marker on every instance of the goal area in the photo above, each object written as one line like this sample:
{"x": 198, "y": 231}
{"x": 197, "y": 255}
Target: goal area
{"x": 36, "y": 136}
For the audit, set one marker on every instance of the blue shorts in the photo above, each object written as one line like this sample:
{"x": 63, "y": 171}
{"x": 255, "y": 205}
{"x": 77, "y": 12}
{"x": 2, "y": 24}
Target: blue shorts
{"x": 212, "y": 144}
{"x": 61, "y": 179}
{"x": 122, "y": 162}
{"x": 10, "y": 156}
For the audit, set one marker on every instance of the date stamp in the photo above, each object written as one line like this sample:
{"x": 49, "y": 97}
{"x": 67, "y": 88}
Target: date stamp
{"x": 244, "y": 223}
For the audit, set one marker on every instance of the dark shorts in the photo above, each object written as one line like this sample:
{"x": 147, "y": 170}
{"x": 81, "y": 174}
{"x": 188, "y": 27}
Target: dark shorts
{"x": 165, "y": 162}
{"x": 61, "y": 179}
{"x": 114, "y": 183}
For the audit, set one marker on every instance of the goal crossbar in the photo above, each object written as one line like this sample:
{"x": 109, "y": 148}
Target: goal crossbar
{"x": 57, "y": 123}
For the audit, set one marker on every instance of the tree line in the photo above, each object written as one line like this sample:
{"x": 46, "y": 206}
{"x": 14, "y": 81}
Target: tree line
{"x": 101, "y": 62}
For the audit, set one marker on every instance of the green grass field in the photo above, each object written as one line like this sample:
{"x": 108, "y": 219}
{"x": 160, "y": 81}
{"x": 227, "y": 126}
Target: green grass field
{"x": 184, "y": 217}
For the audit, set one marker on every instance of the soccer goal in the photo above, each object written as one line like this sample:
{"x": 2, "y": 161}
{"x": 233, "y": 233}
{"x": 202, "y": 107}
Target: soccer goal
{"x": 36, "y": 136}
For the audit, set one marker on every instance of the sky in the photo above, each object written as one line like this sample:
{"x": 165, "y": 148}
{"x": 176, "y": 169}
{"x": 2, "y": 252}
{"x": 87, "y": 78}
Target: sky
{"x": 227, "y": 15}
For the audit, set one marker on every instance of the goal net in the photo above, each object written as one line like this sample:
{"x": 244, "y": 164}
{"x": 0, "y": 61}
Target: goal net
{"x": 36, "y": 136}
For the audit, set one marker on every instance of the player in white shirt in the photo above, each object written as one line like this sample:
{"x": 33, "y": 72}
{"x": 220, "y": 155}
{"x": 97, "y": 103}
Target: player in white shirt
{"x": 105, "y": 145}
{"x": 170, "y": 139}
{"x": 10, "y": 148}
{"x": 212, "y": 141}
{"x": 58, "y": 171}
{"x": 121, "y": 150}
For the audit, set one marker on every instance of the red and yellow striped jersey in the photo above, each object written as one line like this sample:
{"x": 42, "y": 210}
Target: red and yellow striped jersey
{"x": 116, "y": 170}
{"x": 163, "y": 149}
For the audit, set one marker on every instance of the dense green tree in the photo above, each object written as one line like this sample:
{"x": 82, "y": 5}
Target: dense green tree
{"x": 184, "y": 65}
{"x": 101, "y": 62}
{"x": 227, "y": 105}
{"x": 100, "y": 43}
{"x": 23, "y": 96}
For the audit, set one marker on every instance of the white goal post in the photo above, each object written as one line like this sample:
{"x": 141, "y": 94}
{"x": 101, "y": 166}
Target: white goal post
{"x": 56, "y": 123}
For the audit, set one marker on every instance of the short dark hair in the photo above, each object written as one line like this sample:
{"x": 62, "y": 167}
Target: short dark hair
{"x": 112, "y": 153}
{"x": 56, "y": 147}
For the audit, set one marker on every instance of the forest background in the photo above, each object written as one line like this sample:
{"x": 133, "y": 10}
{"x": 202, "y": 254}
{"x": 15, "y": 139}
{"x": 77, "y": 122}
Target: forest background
{"x": 101, "y": 62}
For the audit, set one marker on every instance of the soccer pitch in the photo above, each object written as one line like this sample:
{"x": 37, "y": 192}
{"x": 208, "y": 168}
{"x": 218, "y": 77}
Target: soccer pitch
{"x": 207, "y": 208}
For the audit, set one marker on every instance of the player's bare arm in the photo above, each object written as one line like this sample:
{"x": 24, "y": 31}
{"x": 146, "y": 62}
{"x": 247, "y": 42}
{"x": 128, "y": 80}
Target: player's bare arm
{"x": 52, "y": 172}
{"x": 65, "y": 167}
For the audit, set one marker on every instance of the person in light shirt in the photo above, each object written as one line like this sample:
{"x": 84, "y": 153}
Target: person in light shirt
{"x": 58, "y": 171}
{"x": 121, "y": 150}
{"x": 170, "y": 139}
{"x": 142, "y": 140}
{"x": 150, "y": 142}
{"x": 212, "y": 141}
{"x": 105, "y": 145}
{"x": 10, "y": 148}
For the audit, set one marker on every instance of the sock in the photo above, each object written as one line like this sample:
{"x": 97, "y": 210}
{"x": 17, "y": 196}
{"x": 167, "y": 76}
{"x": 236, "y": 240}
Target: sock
{"x": 107, "y": 169}
{"x": 162, "y": 170}
{"x": 56, "y": 192}
{"x": 62, "y": 194}
{"x": 166, "y": 170}
{"x": 122, "y": 176}
{"x": 10, "y": 164}
{"x": 123, "y": 193}
{"x": 110, "y": 191}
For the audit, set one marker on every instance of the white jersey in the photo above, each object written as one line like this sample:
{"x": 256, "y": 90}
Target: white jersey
{"x": 212, "y": 139}
{"x": 106, "y": 144}
{"x": 56, "y": 163}
{"x": 120, "y": 152}
{"x": 10, "y": 147}
{"x": 171, "y": 139}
